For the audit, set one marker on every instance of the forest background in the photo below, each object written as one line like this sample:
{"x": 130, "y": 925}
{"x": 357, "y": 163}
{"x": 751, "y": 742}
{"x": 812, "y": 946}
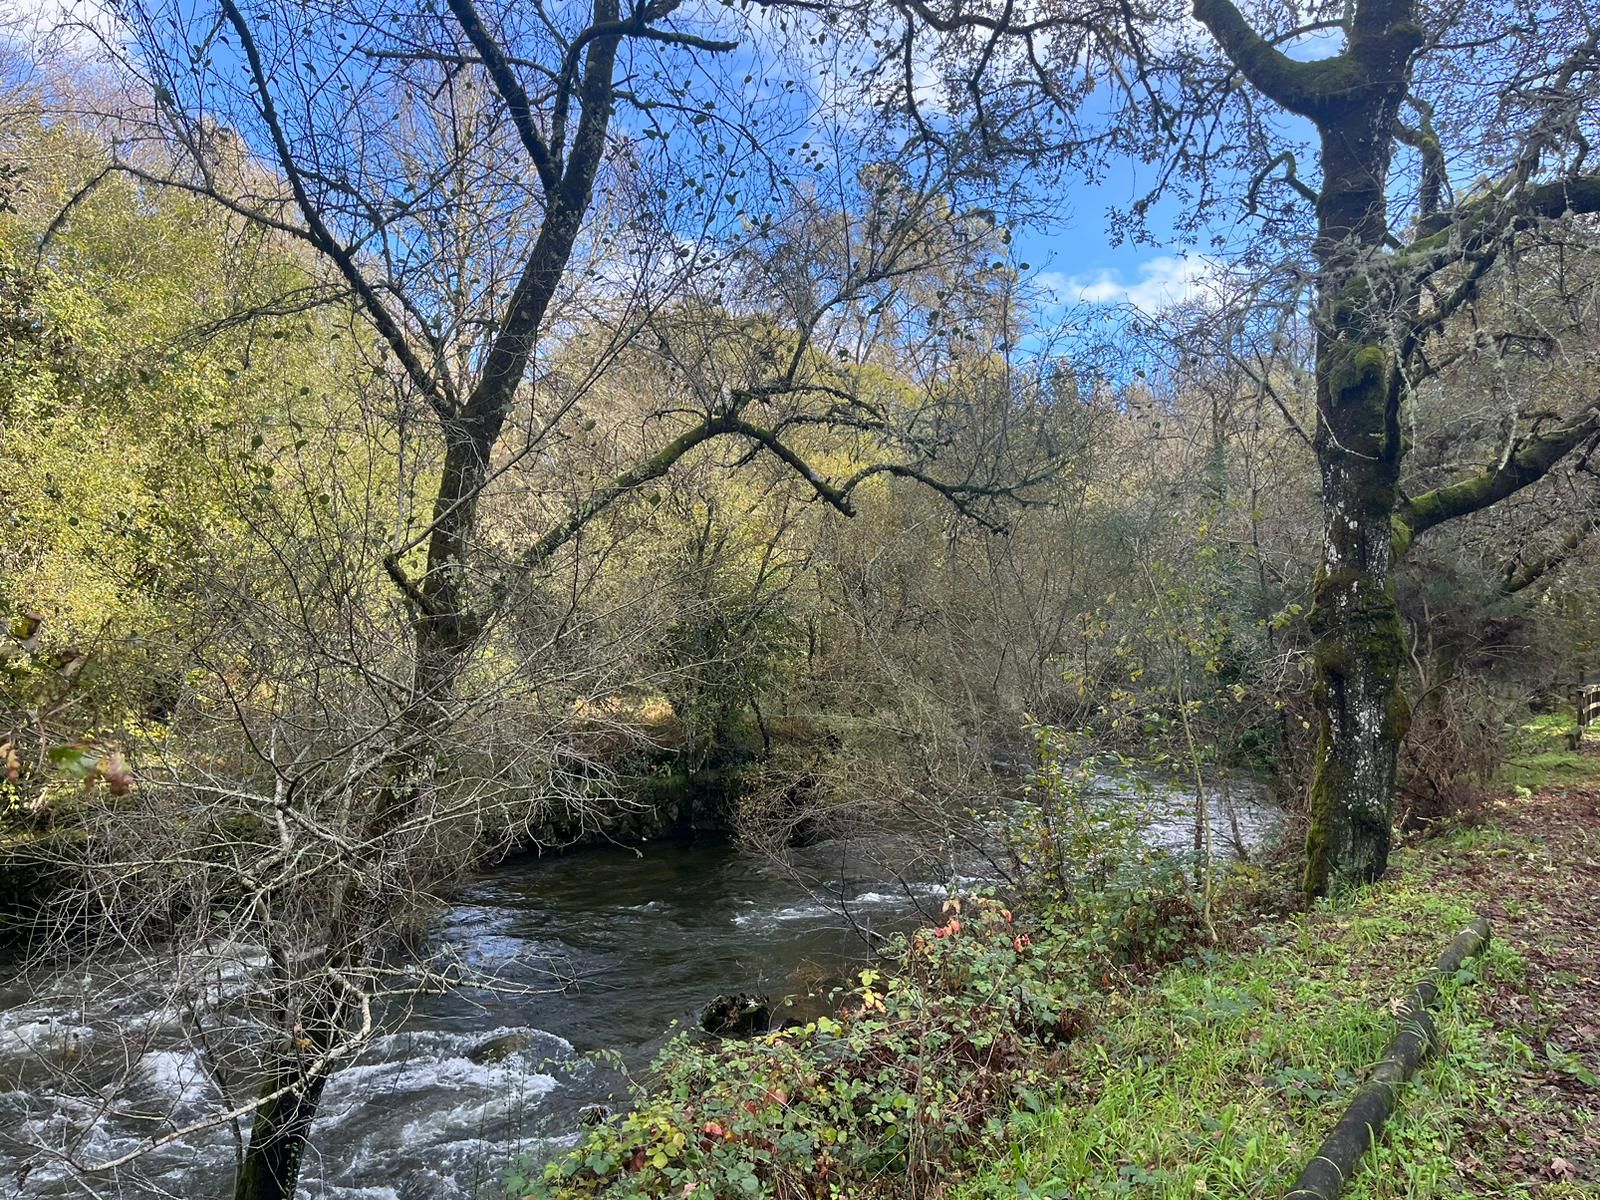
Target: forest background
{"x": 433, "y": 432}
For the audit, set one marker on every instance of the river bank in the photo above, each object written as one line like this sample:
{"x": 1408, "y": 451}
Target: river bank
{"x": 600, "y": 955}
{"x": 1214, "y": 1072}
{"x": 1222, "y": 1079}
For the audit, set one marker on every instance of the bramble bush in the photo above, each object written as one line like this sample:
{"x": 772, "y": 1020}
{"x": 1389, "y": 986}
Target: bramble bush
{"x": 1098, "y": 890}
{"x": 918, "y": 1068}
{"x": 917, "y": 1075}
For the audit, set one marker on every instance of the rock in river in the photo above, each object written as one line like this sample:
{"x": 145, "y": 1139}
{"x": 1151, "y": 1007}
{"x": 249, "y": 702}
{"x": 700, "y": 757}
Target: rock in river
{"x": 737, "y": 1016}
{"x": 498, "y": 1049}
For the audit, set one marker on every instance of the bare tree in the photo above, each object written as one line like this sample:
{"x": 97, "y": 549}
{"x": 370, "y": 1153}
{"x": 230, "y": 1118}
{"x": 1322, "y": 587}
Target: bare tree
{"x": 509, "y": 199}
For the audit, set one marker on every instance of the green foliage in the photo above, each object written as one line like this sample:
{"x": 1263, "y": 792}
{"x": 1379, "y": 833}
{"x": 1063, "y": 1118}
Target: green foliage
{"x": 912, "y": 1082}
{"x": 908, "y": 1081}
{"x": 1097, "y": 884}
{"x": 169, "y": 433}
{"x": 728, "y": 633}
{"x": 1544, "y": 731}
{"x": 1078, "y": 831}
{"x": 1220, "y": 1077}
{"x": 1188, "y": 676}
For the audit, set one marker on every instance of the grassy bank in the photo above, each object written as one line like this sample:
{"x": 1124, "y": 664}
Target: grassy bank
{"x": 1116, "y": 1052}
{"x": 1221, "y": 1078}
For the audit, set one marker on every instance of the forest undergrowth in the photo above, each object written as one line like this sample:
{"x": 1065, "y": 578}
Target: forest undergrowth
{"x": 1113, "y": 1047}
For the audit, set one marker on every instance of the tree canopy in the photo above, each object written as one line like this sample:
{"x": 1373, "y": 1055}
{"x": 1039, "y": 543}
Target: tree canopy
{"x": 442, "y": 429}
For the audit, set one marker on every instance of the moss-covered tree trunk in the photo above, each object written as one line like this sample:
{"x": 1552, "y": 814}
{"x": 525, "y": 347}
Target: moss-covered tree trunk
{"x": 1360, "y": 643}
{"x": 1359, "y": 640}
{"x": 1353, "y": 100}
{"x": 1369, "y": 309}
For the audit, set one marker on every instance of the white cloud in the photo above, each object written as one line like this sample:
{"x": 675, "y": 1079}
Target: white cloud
{"x": 1161, "y": 282}
{"x": 76, "y": 26}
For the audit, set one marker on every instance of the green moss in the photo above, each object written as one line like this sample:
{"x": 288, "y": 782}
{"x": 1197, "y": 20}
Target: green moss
{"x": 1545, "y": 731}
{"x": 1356, "y": 377}
{"x": 1353, "y": 300}
{"x": 1546, "y": 751}
{"x": 1332, "y": 78}
{"x": 1425, "y": 511}
{"x": 1325, "y": 785}
{"x": 1401, "y": 538}
{"x": 1399, "y": 712}
{"x": 1364, "y": 650}
{"x": 1371, "y": 632}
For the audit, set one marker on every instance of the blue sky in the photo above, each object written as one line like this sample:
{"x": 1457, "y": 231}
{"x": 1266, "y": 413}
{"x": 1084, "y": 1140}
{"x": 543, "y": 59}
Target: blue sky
{"x": 1074, "y": 257}
{"x": 1077, "y": 261}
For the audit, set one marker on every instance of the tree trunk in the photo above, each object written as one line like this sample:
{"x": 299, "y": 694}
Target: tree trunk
{"x": 271, "y": 1167}
{"x": 445, "y": 626}
{"x": 1359, "y": 648}
{"x": 1359, "y": 640}
{"x": 1365, "y": 317}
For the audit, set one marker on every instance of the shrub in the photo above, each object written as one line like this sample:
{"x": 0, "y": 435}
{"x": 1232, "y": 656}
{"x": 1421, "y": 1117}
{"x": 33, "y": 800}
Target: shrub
{"x": 921, "y": 1068}
{"x": 916, "y": 1070}
{"x": 1452, "y": 751}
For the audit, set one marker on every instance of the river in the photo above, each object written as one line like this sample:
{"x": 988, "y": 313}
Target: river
{"x": 614, "y": 948}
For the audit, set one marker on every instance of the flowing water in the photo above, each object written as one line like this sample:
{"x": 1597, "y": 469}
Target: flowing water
{"x": 613, "y": 948}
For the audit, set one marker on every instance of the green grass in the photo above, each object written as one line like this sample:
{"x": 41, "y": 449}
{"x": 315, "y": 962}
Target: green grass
{"x": 1550, "y": 768}
{"x": 1221, "y": 1078}
{"x": 1545, "y": 731}
{"x": 1541, "y": 755}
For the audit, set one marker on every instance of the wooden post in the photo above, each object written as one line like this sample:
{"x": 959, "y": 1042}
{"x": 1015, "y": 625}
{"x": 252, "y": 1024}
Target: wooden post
{"x": 1588, "y": 706}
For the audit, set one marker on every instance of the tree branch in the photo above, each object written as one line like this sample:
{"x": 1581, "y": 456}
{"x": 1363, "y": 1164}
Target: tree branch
{"x": 1309, "y": 89}
{"x": 511, "y": 91}
{"x": 1529, "y": 461}
{"x": 1522, "y": 572}
{"x": 541, "y": 274}
{"x": 1291, "y": 176}
{"x": 1470, "y": 228}
{"x": 652, "y": 468}
{"x": 437, "y": 388}
{"x": 1424, "y": 139}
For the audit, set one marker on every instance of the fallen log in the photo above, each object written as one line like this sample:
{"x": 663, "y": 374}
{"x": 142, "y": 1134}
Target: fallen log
{"x": 1358, "y": 1129}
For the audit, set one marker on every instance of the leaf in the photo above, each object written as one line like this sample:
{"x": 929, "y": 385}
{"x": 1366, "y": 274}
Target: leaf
{"x": 1571, "y": 1064}
{"x": 76, "y": 761}
{"x": 117, "y": 774}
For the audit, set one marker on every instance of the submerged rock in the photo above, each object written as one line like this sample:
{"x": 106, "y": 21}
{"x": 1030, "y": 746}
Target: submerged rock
{"x": 497, "y": 1050}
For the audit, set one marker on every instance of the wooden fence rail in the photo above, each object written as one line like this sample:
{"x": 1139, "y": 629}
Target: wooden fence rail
{"x": 1588, "y": 705}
